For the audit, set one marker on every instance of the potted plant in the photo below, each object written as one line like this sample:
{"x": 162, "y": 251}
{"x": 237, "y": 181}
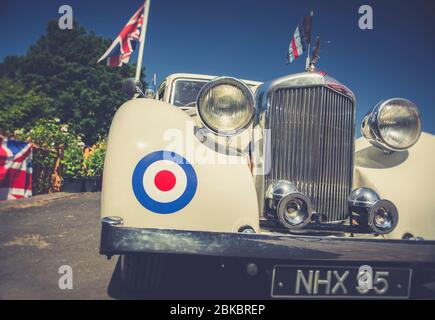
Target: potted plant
{"x": 94, "y": 164}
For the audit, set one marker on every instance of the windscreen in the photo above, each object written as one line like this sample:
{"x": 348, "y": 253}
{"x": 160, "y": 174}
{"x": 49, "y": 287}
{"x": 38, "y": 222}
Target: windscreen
{"x": 186, "y": 91}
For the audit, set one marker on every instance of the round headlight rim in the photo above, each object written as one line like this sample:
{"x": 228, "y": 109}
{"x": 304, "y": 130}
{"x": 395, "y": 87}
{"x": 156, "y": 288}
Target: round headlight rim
{"x": 372, "y": 120}
{"x": 248, "y": 93}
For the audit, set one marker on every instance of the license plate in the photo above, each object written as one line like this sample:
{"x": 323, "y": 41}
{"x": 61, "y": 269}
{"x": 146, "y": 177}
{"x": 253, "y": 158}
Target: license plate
{"x": 340, "y": 282}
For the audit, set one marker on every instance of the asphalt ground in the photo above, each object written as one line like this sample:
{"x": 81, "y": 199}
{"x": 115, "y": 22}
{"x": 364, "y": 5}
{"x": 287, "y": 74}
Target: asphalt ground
{"x": 41, "y": 234}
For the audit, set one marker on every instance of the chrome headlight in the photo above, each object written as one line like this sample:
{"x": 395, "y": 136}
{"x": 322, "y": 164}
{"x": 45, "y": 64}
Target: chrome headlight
{"x": 393, "y": 125}
{"x": 226, "y": 106}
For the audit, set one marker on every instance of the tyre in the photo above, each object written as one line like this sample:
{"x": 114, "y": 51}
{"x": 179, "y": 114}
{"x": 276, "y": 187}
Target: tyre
{"x": 142, "y": 272}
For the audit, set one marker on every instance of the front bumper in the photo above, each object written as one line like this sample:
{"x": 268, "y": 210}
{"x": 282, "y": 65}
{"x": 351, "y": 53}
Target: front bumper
{"x": 237, "y": 250}
{"x": 116, "y": 239}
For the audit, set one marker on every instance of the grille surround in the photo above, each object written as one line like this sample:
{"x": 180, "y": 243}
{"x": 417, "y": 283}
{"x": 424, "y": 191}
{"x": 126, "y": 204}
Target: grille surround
{"x": 312, "y": 141}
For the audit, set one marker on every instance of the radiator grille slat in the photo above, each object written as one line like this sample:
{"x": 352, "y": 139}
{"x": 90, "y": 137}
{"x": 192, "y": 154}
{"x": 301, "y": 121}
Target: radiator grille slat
{"x": 312, "y": 145}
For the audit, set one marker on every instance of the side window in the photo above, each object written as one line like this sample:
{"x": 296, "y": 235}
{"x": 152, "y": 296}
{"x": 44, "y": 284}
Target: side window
{"x": 161, "y": 91}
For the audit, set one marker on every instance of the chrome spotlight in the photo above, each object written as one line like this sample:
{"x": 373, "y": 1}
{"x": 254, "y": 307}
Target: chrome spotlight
{"x": 284, "y": 202}
{"x": 392, "y": 125}
{"x": 380, "y": 215}
{"x": 383, "y": 217}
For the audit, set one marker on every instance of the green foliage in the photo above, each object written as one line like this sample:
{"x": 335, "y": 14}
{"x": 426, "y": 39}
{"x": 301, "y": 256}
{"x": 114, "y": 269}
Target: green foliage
{"x": 20, "y": 108}
{"x": 60, "y": 77}
{"x": 94, "y": 164}
{"x": 48, "y": 136}
{"x": 43, "y": 164}
{"x": 73, "y": 158}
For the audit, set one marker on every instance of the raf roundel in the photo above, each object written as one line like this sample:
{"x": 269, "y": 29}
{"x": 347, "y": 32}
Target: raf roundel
{"x": 164, "y": 182}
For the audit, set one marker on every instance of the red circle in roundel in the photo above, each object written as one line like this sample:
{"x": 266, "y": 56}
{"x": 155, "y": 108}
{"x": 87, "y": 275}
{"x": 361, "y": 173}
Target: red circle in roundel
{"x": 165, "y": 180}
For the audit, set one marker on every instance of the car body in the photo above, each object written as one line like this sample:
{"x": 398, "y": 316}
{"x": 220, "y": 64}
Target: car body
{"x": 170, "y": 176}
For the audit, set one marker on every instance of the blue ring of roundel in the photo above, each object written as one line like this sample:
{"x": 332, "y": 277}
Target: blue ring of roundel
{"x": 159, "y": 207}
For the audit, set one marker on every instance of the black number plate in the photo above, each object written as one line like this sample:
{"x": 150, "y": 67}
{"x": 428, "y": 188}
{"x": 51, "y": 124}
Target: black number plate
{"x": 340, "y": 282}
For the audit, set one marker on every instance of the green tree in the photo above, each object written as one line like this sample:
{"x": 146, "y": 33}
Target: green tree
{"x": 62, "y": 66}
{"x": 20, "y": 108}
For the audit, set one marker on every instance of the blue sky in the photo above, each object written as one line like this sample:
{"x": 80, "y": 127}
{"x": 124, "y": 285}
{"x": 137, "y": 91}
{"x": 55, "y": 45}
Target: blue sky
{"x": 249, "y": 39}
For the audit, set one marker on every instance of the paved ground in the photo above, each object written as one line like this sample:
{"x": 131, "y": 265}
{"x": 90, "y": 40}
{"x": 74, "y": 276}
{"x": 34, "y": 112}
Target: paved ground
{"x": 39, "y": 235}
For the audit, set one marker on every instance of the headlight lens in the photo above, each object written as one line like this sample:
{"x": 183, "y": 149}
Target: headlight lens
{"x": 383, "y": 217}
{"x": 292, "y": 208}
{"x": 393, "y": 125}
{"x": 295, "y": 211}
{"x": 226, "y": 106}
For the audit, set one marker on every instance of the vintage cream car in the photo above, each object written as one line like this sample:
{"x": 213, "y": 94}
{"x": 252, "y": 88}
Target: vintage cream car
{"x": 218, "y": 166}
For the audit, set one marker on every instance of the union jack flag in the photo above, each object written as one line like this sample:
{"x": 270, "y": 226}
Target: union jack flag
{"x": 15, "y": 169}
{"x": 301, "y": 38}
{"x": 121, "y": 48}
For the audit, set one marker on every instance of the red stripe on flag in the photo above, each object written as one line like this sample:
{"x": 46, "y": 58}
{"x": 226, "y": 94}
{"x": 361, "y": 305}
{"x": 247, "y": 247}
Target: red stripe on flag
{"x": 2, "y": 173}
{"x": 124, "y": 36}
{"x": 114, "y": 61}
{"x": 295, "y": 49}
{"x": 16, "y": 179}
{"x": 3, "y": 156}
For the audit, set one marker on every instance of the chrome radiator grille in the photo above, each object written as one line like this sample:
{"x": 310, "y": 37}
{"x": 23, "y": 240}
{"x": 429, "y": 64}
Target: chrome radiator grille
{"x": 312, "y": 145}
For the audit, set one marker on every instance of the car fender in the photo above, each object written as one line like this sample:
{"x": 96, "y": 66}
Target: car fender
{"x": 225, "y": 197}
{"x": 406, "y": 178}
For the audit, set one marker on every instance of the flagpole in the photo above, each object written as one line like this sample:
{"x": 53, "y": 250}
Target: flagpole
{"x": 142, "y": 38}
{"x": 308, "y": 60}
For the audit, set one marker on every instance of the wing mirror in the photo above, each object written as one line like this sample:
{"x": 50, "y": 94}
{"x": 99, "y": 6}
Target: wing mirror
{"x": 132, "y": 88}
